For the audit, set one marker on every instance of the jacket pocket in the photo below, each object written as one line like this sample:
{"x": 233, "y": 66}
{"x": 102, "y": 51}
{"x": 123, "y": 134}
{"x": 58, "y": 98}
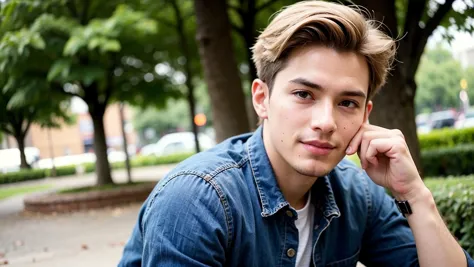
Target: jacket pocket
{"x": 347, "y": 262}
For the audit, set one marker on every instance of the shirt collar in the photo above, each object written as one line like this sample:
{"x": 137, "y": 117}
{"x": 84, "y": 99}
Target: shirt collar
{"x": 271, "y": 197}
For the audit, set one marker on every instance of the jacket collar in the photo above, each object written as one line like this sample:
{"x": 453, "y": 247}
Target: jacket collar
{"x": 271, "y": 197}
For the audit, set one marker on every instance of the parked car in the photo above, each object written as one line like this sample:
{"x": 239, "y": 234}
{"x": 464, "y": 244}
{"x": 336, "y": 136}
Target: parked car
{"x": 442, "y": 119}
{"x": 176, "y": 143}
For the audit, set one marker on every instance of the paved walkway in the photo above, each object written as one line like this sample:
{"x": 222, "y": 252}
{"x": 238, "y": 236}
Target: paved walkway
{"x": 91, "y": 238}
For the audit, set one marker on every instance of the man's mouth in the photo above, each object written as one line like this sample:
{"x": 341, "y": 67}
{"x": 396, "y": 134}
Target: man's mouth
{"x": 318, "y": 148}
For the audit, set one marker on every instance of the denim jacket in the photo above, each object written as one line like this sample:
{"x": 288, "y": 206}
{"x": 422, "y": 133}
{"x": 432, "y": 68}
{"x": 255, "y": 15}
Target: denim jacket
{"x": 223, "y": 207}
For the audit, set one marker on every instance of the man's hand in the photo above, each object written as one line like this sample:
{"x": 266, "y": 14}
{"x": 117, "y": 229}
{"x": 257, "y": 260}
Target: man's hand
{"x": 386, "y": 158}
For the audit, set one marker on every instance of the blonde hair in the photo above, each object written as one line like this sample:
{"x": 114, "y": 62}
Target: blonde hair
{"x": 322, "y": 23}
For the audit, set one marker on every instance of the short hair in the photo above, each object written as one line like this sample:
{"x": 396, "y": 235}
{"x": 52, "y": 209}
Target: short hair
{"x": 333, "y": 25}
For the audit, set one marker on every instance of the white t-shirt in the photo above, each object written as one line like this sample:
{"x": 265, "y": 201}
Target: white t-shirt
{"x": 304, "y": 223}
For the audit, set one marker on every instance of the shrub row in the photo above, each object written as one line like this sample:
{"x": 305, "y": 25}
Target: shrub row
{"x": 447, "y": 137}
{"x": 455, "y": 200}
{"x": 25, "y": 175}
{"x": 457, "y": 160}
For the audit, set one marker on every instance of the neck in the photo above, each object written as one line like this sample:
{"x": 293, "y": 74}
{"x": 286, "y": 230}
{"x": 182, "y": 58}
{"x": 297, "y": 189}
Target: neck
{"x": 293, "y": 185}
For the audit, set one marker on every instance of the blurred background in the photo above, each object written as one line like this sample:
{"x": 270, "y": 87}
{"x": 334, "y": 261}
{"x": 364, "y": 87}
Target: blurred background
{"x": 101, "y": 96}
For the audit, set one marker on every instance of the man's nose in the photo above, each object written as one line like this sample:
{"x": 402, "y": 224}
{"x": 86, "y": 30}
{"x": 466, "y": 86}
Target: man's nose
{"x": 322, "y": 118}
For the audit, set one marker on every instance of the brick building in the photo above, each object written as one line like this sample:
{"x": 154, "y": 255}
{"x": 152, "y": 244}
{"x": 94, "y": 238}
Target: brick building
{"x": 78, "y": 138}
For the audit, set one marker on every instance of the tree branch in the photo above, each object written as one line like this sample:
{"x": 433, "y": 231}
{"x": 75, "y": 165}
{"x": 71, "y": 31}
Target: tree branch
{"x": 236, "y": 28}
{"x": 58, "y": 88}
{"x": 420, "y": 43}
{"x": 166, "y": 22}
{"x": 264, "y": 5}
{"x": 72, "y": 8}
{"x": 5, "y": 129}
{"x": 433, "y": 22}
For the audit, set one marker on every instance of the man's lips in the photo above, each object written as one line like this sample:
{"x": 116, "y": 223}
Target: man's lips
{"x": 318, "y": 148}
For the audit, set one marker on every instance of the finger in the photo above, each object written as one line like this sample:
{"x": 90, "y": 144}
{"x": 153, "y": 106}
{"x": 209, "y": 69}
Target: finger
{"x": 381, "y": 146}
{"x": 367, "y": 137}
{"x": 355, "y": 142}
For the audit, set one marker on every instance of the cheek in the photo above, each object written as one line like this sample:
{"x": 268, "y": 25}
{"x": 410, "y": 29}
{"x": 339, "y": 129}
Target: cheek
{"x": 348, "y": 129}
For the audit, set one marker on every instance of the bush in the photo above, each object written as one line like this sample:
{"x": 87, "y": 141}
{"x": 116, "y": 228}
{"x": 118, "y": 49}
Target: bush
{"x": 62, "y": 171}
{"x": 455, "y": 200}
{"x": 447, "y": 137}
{"x": 89, "y": 167}
{"x": 448, "y": 161}
{"x": 23, "y": 175}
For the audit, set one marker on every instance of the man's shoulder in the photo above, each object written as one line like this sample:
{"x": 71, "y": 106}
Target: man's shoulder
{"x": 228, "y": 154}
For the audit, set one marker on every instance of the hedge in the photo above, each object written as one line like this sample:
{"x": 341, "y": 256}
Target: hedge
{"x": 455, "y": 200}
{"x": 447, "y": 137}
{"x": 457, "y": 160}
{"x": 139, "y": 161}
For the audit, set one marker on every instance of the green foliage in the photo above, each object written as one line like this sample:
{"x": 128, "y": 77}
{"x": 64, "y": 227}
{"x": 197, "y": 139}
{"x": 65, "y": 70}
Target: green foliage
{"x": 447, "y": 137}
{"x": 62, "y": 171}
{"x": 20, "y": 176}
{"x": 448, "y": 161}
{"x": 455, "y": 200}
{"x": 438, "y": 79}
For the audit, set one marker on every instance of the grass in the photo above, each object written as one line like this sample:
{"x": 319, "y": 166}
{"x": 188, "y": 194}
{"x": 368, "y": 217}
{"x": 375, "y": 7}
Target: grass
{"x": 13, "y": 191}
{"x": 96, "y": 188}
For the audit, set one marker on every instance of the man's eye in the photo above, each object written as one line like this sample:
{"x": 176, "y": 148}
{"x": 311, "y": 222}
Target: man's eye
{"x": 348, "y": 103}
{"x": 302, "y": 94}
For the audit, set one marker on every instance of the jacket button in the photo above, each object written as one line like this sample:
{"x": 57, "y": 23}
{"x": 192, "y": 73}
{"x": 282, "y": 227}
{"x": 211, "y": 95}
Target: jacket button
{"x": 291, "y": 253}
{"x": 289, "y": 213}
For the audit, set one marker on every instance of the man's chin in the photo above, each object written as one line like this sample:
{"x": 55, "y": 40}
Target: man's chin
{"x": 318, "y": 169}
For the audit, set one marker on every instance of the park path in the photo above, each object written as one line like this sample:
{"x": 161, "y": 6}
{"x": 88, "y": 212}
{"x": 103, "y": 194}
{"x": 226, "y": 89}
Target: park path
{"x": 89, "y": 238}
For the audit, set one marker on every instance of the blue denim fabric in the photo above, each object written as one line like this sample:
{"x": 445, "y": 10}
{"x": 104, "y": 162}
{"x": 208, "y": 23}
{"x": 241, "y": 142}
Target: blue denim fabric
{"x": 223, "y": 207}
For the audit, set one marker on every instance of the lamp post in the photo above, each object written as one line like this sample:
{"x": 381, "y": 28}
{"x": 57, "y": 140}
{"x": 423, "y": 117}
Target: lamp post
{"x": 464, "y": 96}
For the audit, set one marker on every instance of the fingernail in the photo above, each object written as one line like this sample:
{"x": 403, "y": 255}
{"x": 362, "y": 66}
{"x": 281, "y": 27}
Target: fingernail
{"x": 348, "y": 150}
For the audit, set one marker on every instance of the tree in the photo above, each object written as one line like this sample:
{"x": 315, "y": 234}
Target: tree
{"x": 16, "y": 115}
{"x": 220, "y": 68}
{"x": 247, "y": 17}
{"x": 438, "y": 81}
{"x": 413, "y": 21}
{"x": 100, "y": 51}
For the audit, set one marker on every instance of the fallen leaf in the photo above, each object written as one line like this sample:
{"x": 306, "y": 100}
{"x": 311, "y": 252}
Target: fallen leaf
{"x": 5, "y": 262}
{"x": 2, "y": 255}
{"x": 45, "y": 249}
{"x": 84, "y": 247}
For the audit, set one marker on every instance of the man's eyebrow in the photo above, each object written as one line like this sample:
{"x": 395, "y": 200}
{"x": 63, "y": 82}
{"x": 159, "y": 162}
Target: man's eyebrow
{"x": 307, "y": 83}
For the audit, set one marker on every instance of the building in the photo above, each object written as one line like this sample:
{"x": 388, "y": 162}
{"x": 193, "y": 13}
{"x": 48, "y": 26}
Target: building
{"x": 78, "y": 138}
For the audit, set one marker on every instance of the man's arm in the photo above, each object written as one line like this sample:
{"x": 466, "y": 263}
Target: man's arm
{"x": 435, "y": 244}
{"x": 184, "y": 224}
{"x": 386, "y": 158}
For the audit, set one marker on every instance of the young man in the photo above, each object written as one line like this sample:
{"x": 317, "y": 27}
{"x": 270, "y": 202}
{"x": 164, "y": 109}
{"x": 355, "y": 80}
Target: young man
{"x": 284, "y": 196}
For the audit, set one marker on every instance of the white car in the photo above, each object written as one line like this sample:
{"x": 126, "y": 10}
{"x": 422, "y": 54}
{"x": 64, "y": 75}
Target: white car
{"x": 176, "y": 143}
{"x": 465, "y": 120}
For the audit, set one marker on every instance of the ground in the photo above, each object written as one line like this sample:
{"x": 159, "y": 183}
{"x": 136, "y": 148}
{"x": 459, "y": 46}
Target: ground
{"x": 92, "y": 238}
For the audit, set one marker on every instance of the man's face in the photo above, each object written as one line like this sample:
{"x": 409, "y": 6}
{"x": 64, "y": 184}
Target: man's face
{"x": 317, "y": 105}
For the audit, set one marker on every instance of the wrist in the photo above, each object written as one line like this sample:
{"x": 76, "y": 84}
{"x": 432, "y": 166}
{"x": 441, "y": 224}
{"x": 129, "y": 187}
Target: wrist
{"x": 416, "y": 193}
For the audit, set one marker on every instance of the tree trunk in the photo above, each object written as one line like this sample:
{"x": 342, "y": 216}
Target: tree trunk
{"x": 188, "y": 72}
{"x": 125, "y": 143}
{"x": 249, "y": 34}
{"x": 20, "y": 139}
{"x": 394, "y": 105}
{"x": 394, "y": 108}
{"x": 100, "y": 146}
{"x": 220, "y": 68}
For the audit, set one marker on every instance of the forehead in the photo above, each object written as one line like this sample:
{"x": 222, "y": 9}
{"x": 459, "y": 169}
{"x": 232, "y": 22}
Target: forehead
{"x": 331, "y": 69}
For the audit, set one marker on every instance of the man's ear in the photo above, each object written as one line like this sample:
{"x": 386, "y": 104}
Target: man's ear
{"x": 368, "y": 109}
{"x": 260, "y": 98}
